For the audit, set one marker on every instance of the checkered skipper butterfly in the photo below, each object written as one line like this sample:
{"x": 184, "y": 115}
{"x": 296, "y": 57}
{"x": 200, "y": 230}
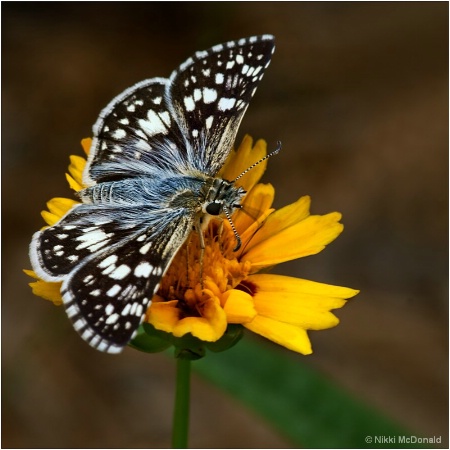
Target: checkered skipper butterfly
{"x": 150, "y": 178}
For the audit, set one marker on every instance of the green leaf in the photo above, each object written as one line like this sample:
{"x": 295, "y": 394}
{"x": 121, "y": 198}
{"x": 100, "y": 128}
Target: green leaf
{"x": 303, "y": 405}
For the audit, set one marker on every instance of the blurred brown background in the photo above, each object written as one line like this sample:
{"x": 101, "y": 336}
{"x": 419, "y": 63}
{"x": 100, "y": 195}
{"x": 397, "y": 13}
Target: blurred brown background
{"x": 358, "y": 94}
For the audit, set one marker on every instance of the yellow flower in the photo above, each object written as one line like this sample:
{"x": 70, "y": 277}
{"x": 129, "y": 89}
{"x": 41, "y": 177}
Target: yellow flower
{"x": 202, "y": 296}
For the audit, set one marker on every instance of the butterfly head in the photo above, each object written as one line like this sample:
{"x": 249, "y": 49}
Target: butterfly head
{"x": 222, "y": 197}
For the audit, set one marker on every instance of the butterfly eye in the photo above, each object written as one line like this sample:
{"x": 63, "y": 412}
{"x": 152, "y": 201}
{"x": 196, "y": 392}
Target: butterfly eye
{"x": 214, "y": 208}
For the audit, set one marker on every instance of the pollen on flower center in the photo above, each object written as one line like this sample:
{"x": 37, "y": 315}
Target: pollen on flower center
{"x": 190, "y": 274}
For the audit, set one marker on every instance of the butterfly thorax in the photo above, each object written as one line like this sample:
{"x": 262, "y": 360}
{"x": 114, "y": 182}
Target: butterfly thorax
{"x": 198, "y": 194}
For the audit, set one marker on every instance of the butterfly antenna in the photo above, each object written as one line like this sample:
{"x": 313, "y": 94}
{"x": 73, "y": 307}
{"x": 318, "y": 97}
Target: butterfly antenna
{"x": 260, "y": 161}
{"x": 236, "y": 234}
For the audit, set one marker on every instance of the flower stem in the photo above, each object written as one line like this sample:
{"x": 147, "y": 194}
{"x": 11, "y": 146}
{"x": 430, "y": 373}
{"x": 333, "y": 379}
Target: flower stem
{"x": 181, "y": 412}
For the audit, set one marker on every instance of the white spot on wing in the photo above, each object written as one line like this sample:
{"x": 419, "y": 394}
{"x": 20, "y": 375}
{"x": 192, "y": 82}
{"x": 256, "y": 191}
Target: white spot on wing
{"x": 110, "y": 260}
{"x": 120, "y": 272}
{"x": 219, "y": 78}
{"x": 72, "y": 310}
{"x": 209, "y": 95}
{"x": 79, "y": 324}
{"x": 209, "y": 122}
{"x": 112, "y": 319}
{"x": 126, "y": 310}
{"x": 114, "y": 290}
{"x": 91, "y": 238}
{"x": 257, "y": 70}
{"x": 153, "y": 124}
{"x": 201, "y": 54}
{"x": 143, "y": 269}
{"x": 119, "y": 134}
{"x": 87, "y": 334}
{"x": 197, "y": 94}
{"x": 145, "y": 248}
{"x": 165, "y": 117}
{"x": 189, "y": 103}
{"x": 226, "y": 103}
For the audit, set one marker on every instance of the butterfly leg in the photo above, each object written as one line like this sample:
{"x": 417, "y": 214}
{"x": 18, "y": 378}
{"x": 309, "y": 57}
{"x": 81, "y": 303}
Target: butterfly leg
{"x": 198, "y": 227}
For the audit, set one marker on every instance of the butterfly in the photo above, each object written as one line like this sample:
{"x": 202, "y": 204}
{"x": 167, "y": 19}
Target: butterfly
{"x": 151, "y": 177}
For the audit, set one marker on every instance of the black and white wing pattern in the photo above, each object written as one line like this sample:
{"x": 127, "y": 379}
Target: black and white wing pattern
{"x": 134, "y": 134}
{"x": 154, "y": 147}
{"x": 186, "y": 122}
{"x": 210, "y": 92}
{"x": 110, "y": 261}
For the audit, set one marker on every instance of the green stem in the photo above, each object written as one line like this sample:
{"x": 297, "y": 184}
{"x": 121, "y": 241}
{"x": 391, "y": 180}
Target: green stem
{"x": 181, "y": 412}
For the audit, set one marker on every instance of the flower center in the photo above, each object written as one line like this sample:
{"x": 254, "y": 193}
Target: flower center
{"x": 192, "y": 275}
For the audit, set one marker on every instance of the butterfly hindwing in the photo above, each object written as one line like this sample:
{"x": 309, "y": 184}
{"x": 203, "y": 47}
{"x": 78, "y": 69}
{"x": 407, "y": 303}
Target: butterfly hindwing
{"x": 109, "y": 272}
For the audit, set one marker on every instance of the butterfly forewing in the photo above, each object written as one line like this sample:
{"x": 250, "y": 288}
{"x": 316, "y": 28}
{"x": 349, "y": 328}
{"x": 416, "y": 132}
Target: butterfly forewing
{"x": 210, "y": 93}
{"x": 134, "y": 133}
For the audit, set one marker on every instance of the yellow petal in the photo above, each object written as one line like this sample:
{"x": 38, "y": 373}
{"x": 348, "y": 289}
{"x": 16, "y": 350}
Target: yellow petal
{"x": 44, "y": 289}
{"x": 60, "y": 206}
{"x": 289, "y": 336}
{"x": 305, "y": 238}
{"x": 299, "y": 302}
{"x": 86, "y": 144}
{"x": 49, "y": 218}
{"x": 165, "y": 316}
{"x": 76, "y": 167}
{"x": 243, "y": 158}
{"x": 238, "y": 306}
{"x": 49, "y": 291}
{"x": 73, "y": 184}
{"x": 255, "y": 204}
{"x": 31, "y": 273}
{"x": 283, "y": 218}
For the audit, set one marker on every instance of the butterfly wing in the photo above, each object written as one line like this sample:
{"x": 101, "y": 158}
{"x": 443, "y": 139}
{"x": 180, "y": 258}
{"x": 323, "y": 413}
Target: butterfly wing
{"x": 110, "y": 263}
{"x": 209, "y": 94}
{"x": 135, "y": 134}
{"x": 186, "y": 122}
